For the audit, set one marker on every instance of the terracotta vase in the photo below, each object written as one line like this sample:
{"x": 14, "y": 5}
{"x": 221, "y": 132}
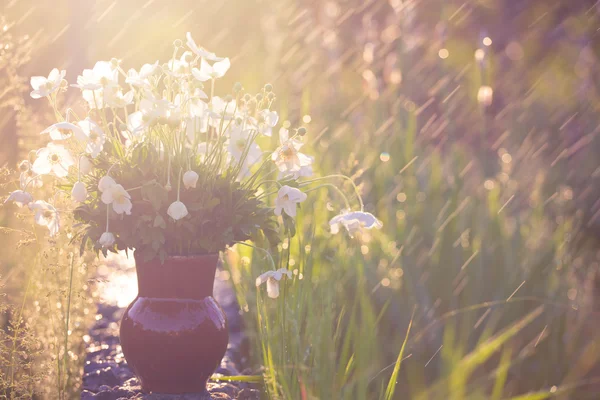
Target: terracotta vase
{"x": 174, "y": 334}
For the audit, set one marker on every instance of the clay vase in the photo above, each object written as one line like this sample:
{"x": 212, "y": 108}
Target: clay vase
{"x": 174, "y": 334}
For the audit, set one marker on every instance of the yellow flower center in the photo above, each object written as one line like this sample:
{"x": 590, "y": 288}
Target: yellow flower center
{"x": 54, "y": 158}
{"x": 240, "y": 144}
{"x": 64, "y": 132}
{"x": 288, "y": 153}
{"x": 47, "y": 214}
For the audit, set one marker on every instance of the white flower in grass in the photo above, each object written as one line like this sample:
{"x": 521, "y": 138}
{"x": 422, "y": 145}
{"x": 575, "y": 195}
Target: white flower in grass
{"x": 43, "y": 87}
{"x": 116, "y": 98}
{"x": 53, "y": 158}
{"x": 118, "y": 197}
{"x": 272, "y": 278}
{"x": 200, "y": 51}
{"x": 286, "y": 200}
{"x": 79, "y": 192}
{"x": 177, "y": 210}
{"x": 103, "y": 75}
{"x": 92, "y": 135}
{"x": 105, "y": 182}
{"x": 190, "y": 178}
{"x": 140, "y": 79}
{"x": 207, "y": 72}
{"x": 287, "y": 157}
{"x": 107, "y": 239}
{"x": 180, "y": 68}
{"x": 19, "y": 197}
{"x": 61, "y": 130}
{"x": 220, "y": 110}
{"x": 46, "y": 215}
{"x": 85, "y": 165}
{"x": 28, "y": 177}
{"x": 239, "y": 144}
{"x": 354, "y": 221}
{"x": 267, "y": 119}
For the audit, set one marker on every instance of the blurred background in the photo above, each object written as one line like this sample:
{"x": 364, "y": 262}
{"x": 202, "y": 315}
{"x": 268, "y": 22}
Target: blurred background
{"x": 471, "y": 128}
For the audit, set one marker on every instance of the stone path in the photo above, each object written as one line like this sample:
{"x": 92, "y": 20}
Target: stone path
{"x": 106, "y": 374}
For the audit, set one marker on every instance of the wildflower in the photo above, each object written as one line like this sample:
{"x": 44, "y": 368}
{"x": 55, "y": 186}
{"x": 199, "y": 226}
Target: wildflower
{"x": 272, "y": 278}
{"x": 105, "y": 182}
{"x": 61, "y": 130}
{"x": 140, "y": 79}
{"x": 207, "y": 72}
{"x": 79, "y": 192}
{"x": 180, "y": 68}
{"x": 43, "y": 87}
{"x": 287, "y": 157}
{"x": 286, "y": 200}
{"x": 190, "y": 178}
{"x": 85, "y": 165}
{"x": 103, "y": 75}
{"x": 267, "y": 119}
{"x": 116, "y": 98}
{"x": 239, "y": 146}
{"x": 177, "y": 210}
{"x": 107, "y": 239}
{"x": 19, "y": 197}
{"x": 200, "y": 51}
{"x": 53, "y": 158}
{"x": 28, "y": 177}
{"x": 92, "y": 135}
{"x": 118, "y": 197}
{"x": 354, "y": 222}
{"x": 46, "y": 215}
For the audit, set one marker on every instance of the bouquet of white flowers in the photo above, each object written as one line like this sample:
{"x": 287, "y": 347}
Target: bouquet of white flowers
{"x": 165, "y": 166}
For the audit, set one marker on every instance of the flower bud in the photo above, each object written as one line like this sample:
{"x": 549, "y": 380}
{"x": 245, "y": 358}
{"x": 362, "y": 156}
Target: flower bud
{"x": 85, "y": 166}
{"x": 115, "y": 62}
{"x": 24, "y": 166}
{"x": 228, "y": 98}
{"x": 485, "y": 96}
{"x": 20, "y": 198}
{"x": 79, "y": 192}
{"x": 105, "y": 183}
{"x": 237, "y": 87}
{"x": 302, "y": 131}
{"x": 268, "y": 88}
{"x": 177, "y": 43}
{"x": 107, "y": 239}
{"x": 177, "y": 210}
{"x": 190, "y": 178}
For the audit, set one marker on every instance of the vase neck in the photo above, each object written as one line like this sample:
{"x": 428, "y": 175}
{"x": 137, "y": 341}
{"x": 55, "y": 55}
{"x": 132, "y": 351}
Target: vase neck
{"x": 179, "y": 277}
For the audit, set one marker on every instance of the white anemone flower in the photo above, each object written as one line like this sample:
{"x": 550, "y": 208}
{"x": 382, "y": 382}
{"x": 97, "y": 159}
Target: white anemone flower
{"x": 43, "y": 87}
{"x": 79, "y": 192}
{"x": 354, "y": 221}
{"x": 53, "y": 158}
{"x": 61, "y": 130}
{"x": 105, "y": 183}
{"x": 116, "y": 98}
{"x": 190, "y": 179}
{"x": 272, "y": 278}
{"x": 177, "y": 210}
{"x": 103, "y": 75}
{"x": 287, "y": 157}
{"x": 287, "y": 198}
{"x": 92, "y": 136}
{"x": 29, "y": 178}
{"x": 140, "y": 79}
{"x": 19, "y": 197}
{"x": 220, "y": 110}
{"x": 85, "y": 165}
{"x": 46, "y": 215}
{"x": 208, "y": 72}
{"x": 239, "y": 144}
{"x": 180, "y": 68}
{"x": 200, "y": 51}
{"x": 267, "y": 120}
{"x": 107, "y": 239}
{"x": 118, "y": 197}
